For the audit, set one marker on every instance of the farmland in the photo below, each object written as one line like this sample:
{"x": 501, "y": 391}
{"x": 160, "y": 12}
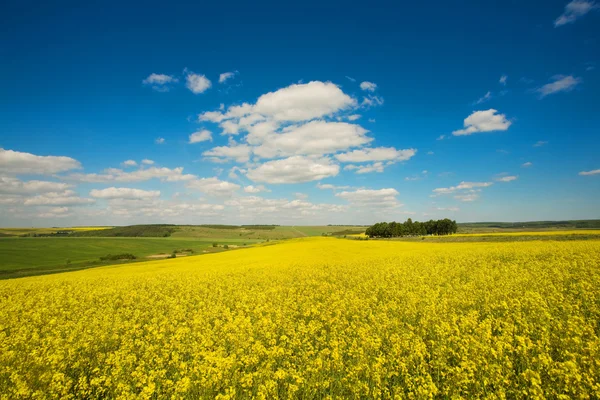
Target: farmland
{"x": 313, "y": 318}
{"x": 82, "y": 247}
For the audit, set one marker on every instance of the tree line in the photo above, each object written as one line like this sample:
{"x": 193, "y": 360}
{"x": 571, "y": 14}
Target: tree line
{"x": 412, "y": 228}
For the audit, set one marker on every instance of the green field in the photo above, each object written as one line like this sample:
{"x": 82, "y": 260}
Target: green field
{"x": 32, "y": 256}
{"x": 24, "y": 256}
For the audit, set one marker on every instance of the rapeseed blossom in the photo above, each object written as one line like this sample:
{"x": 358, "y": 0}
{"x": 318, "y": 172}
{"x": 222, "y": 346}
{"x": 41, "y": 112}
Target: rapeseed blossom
{"x": 313, "y": 318}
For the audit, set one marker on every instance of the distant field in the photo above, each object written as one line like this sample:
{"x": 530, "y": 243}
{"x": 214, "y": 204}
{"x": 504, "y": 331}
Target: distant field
{"x": 48, "y": 231}
{"x": 277, "y": 233}
{"x": 31, "y": 256}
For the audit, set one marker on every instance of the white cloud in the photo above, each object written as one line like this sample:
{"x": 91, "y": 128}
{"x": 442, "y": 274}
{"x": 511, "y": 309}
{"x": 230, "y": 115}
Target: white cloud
{"x": 294, "y": 169}
{"x": 159, "y": 79}
{"x": 527, "y": 164}
{"x": 350, "y": 78}
{"x": 430, "y": 153}
{"x": 145, "y": 161}
{"x": 372, "y": 120}
{"x": 118, "y": 175}
{"x": 56, "y": 212}
{"x": 376, "y": 154}
{"x": 453, "y": 209}
{"x": 16, "y": 162}
{"x": 325, "y": 186}
{"x": 129, "y": 163}
{"x": 124, "y": 193}
{"x": 313, "y": 138}
{"x": 371, "y": 101}
{"x": 368, "y": 86}
{"x": 588, "y": 173}
{"x": 560, "y": 83}
{"x": 225, "y": 76}
{"x": 197, "y": 83}
{"x": 508, "y": 178}
{"x": 65, "y": 198}
{"x": 574, "y": 10}
{"x": 468, "y": 197}
{"x": 201, "y": 136}
{"x": 159, "y": 82}
{"x": 240, "y": 153}
{"x": 503, "y": 80}
{"x": 255, "y": 189}
{"x": 441, "y": 137}
{"x": 461, "y": 187}
{"x": 16, "y": 186}
{"x": 540, "y": 143}
{"x": 302, "y": 102}
{"x": 483, "y": 121}
{"x": 213, "y": 186}
{"x": 382, "y": 198}
{"x": 484, "y": 98}
{"x": 159, "y": 140}
{"x": 365, "y": 169}
{"x": 353, "y": 117}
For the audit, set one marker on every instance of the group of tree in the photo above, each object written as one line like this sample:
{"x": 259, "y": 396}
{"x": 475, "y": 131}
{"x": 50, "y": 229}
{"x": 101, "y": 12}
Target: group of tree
{"x": 412, "y": 228}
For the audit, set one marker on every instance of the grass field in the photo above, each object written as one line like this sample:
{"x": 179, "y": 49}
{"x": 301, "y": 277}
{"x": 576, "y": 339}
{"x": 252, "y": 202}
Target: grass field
{"x": 313, "y": 318}
{"x": 30, "y": 256}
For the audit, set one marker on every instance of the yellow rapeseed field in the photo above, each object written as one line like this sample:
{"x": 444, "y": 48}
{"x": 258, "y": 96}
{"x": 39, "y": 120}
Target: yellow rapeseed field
{"x": 313, "y": 318}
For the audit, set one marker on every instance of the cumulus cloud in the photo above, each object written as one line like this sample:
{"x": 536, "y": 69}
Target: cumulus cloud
{"x": 526, "y": 164}
{"x": 159, "y": 82}
{"x": 201, "y": 136}
{"x": 313, "y": 138}
{"x": 12, "y": 185}
{"x": 56, "y": 212}
{"x": 588, "y": 173}
{"x": 376, "y": 154}
{"x": 118, "y": 175}
{"x": 159, "y": 140}
{"x": 353, "y": 117}
{"x": 255, "y": 189}
{"x": 294, "y": 169}
{"x": 483, "y": 121}
{"x": 365, "y": 169}
{"x": 503, "y": 80}
{"x": 130, "y": 163}
{"x": 368, "y": 86}
{"x": 302, "y": 102}
{"x": 124, "y": 193}
{"x": 147, "y": 162}
{"x": 65, "y": 198}
{"x": 382, "y": 198}
{"x": 16, "y": 162}
{"x": 325, "y": 186}
{"x": 197, "y": 83}
{"x": 238, "y": 152}
{"x": 560, "y": 83}
{"x": 213, "y": 186}
{"x": 574, "y": 10}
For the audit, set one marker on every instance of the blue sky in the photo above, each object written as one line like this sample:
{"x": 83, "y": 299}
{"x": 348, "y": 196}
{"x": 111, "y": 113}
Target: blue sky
{"x": 309, "y": 113}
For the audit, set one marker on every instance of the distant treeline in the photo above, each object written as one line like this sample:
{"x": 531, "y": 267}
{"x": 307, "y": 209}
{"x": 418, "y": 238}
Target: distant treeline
{"x": 412, "y": 228}
{"x": 573, "y": 224}
{"x": 131, "y": 231}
